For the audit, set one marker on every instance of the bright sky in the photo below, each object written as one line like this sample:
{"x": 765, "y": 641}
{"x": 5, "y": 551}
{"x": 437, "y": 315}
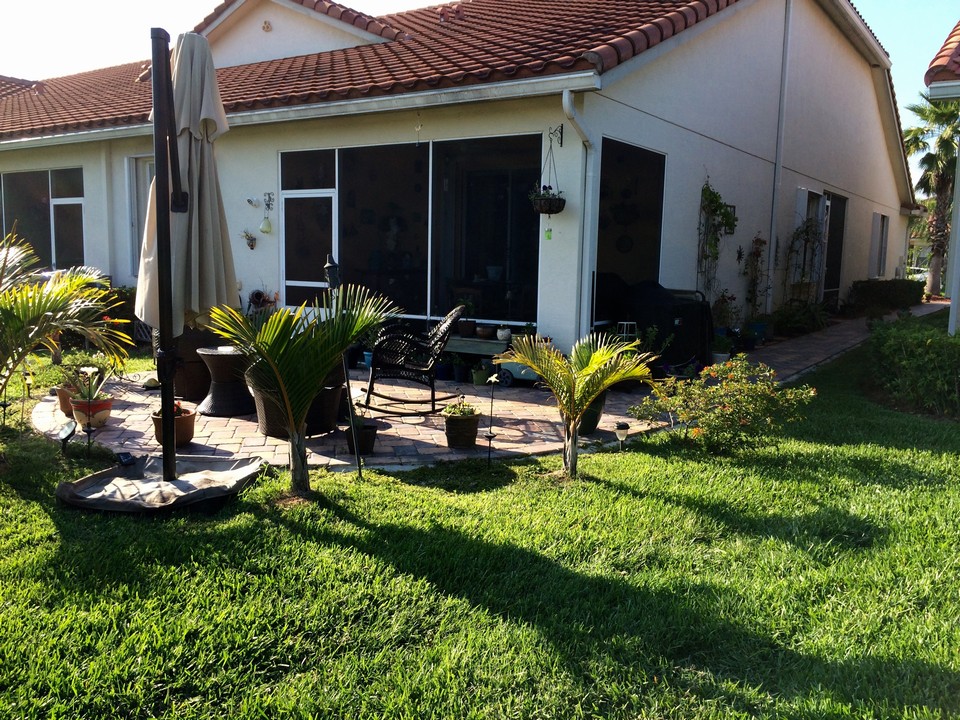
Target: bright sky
{"x": 48, "y": 38}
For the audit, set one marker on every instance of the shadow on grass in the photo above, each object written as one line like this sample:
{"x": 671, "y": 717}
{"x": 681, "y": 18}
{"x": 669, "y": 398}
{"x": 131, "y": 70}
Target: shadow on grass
{"x": 677, "y": 632}
{"x": 465, "y": 476}
{"x": 860, "y": 463}
{"x": 598, "y": 626}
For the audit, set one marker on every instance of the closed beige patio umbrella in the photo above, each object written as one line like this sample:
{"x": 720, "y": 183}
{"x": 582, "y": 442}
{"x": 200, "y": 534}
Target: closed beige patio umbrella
{"x": 186, "y": 264}
{"x": 186, "y": 268}
{"x": 202, "y": 268}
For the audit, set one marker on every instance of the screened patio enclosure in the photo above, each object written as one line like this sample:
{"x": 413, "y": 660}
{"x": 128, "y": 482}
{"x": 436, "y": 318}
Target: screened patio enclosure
{"x": 430, "y": 225}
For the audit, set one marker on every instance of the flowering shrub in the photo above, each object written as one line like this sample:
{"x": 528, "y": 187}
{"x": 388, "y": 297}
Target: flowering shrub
{"x": 730, "y": 405}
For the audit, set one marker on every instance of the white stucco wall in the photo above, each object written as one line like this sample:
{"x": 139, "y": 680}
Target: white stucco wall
{"x": 269, "y": 29}
{"x": 707, "y": 100}
{"x": 682, "y": 102}
{"x": 835, "y": 140}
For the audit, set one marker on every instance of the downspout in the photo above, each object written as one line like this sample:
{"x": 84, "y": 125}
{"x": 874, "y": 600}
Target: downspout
{"x": 570, "y": 112}
{"x": 953, "y": 260}
{"x": 778, "y": 158}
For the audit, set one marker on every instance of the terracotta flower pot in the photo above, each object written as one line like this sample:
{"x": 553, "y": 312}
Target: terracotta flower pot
{"x": 183, "y": 427}
{"x": 94, "y": 413}
{"x": 64, "y": 396}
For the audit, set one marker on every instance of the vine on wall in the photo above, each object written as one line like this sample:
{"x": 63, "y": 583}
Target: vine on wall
{"x": 717, "y": 219}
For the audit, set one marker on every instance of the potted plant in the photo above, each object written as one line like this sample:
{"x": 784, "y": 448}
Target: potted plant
{"x": 591, "y": 416}
{"x": 444, "y": 367}
{"x": 466, "y": 326}
{"x": 184, "y": 421}
{"x": 480, "y": 373}
{"x": 546, "y": 200}
{"x": 365, "y": 428}
{"x": 721, "y": 347}
{"x": 726, "y": 314}
{"x": 91, "y": 405}
{"x": 461, "y": 371}
{"x": 747, "y": 339}
{"x": 461, "y": 422}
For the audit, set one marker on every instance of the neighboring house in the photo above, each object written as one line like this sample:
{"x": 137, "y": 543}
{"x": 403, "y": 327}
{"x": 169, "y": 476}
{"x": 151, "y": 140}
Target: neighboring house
{"x": 407, "y": 146}
{"x": 943, "y": 81}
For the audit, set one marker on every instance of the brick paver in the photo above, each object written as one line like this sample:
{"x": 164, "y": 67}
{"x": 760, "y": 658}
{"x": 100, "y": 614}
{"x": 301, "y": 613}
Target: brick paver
{"x": 525, "y": 420}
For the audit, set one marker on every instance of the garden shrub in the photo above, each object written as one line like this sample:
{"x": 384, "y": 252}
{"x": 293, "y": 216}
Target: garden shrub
{"x": 878, "y": 297}
{"x": 919, "y": 365}
{"x": 731, "y": 405}
{"x": 799, "y": 317}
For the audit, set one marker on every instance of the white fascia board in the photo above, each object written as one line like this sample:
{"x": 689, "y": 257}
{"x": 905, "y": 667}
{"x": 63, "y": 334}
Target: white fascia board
{"x": 536, "y": 87}
{"x": 945, "y": 90}
{"x": 533, "y": 87}
{"x": 80, "y": 136}
{"x": 889, "y": 114}
{"x": 847, "y": 19}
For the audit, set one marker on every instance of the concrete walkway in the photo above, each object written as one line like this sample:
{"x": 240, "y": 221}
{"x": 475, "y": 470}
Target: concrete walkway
{"x": 525, "y": 419}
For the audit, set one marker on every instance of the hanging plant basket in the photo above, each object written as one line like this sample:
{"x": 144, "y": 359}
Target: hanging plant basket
{"x": 545, "y": 199}
{"x": 548, "y": 205}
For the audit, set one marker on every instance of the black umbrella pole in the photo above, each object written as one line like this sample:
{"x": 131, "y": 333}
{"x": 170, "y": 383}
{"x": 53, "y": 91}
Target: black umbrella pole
{"x": 166, "y": 358}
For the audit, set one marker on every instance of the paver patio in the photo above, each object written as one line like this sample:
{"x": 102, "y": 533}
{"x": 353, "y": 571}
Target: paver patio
{"x": 525, "y": 419}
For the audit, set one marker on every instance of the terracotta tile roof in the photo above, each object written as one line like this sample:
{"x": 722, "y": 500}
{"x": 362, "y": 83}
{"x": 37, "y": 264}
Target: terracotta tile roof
{"x": 11, "y": 86}
{"x": 946, "y": 65}
{"x": 91, "y": 100}
{"x": 468, "y": 43}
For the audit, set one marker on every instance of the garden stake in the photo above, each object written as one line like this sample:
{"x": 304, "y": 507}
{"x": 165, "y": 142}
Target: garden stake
{"x": 89, "y": 429}
{"x": 332, "y": 271}
{"x": 490, "y": 434}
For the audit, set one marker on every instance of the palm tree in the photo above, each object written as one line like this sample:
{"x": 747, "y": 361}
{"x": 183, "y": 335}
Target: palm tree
{"x": 36, "y": 307}
{"x": 292, "y": 351}
{"x": 596, "y": 363}
{"x": 935, "y": 140}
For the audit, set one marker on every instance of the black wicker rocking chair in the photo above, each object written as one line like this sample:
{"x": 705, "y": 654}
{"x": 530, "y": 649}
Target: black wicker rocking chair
{"x": 400, "y": 353}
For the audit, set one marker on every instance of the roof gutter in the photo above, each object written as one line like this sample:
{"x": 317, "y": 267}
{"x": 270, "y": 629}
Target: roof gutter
{"x": 586, "y": 80}
{"x": 78, "y": 136}
{"x": 514, "y": 89}
{"x": 944, "y": 90}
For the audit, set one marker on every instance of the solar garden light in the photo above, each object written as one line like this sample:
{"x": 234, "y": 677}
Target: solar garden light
{"x": 492, "y": 381}
{"x": 622, "y": 429}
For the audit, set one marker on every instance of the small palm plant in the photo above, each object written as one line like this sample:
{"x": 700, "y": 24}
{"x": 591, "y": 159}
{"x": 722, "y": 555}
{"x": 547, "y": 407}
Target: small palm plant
{"x": 291, "y": 352}
{"x": 36, "y": 307}
{"x": 596, "y": 363}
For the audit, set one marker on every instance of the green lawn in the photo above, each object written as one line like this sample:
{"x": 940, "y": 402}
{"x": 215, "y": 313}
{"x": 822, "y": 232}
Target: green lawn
{"x": 817, "y": 579}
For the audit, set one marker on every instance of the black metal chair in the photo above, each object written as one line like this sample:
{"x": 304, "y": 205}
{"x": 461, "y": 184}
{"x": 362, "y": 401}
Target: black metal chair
{"x": 400, "y": 353}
